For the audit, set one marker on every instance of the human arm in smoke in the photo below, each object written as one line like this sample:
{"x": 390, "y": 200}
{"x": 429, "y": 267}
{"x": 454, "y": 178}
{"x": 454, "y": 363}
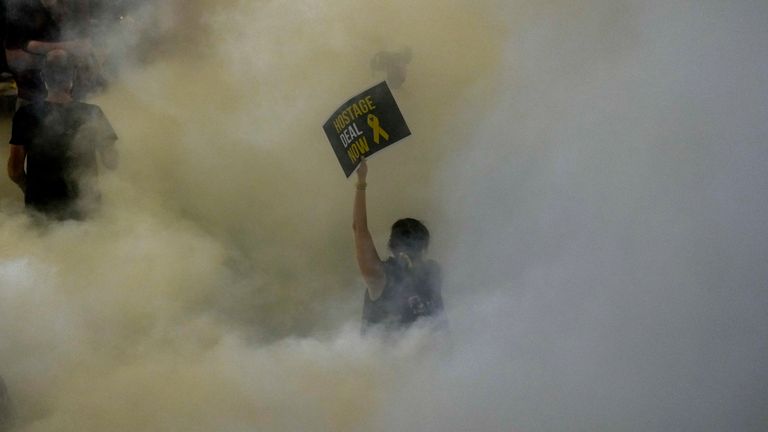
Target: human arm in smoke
{"x": 20, "y": 60}
{"x": 32, "y": 56}
{"x": 18, "y": 155}
{"x": 73, "y": 17}
{"x": 18, "y": 25}
{"x": 368, "y": 259}
{"x": 79, "y": 47}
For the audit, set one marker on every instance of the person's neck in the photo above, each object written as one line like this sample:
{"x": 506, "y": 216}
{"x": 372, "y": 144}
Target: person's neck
{"x": 59, "y": 97}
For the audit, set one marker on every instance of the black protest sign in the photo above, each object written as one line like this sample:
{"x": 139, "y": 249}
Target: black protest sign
{"x": 364, "y": 125}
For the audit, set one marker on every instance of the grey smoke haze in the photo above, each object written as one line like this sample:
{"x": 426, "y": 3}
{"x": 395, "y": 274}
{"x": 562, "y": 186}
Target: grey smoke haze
{"x": 593, "y": 175}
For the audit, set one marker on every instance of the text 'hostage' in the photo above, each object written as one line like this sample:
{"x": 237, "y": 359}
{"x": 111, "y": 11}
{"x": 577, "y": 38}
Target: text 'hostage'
{"x": 364, "y": 125}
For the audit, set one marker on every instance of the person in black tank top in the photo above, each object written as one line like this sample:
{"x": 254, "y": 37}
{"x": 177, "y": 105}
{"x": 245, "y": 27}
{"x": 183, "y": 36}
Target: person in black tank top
{"x": 405, "y": 287}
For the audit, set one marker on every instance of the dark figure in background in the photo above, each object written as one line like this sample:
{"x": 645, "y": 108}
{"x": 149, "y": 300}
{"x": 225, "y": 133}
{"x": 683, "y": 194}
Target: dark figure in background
{"x": 405, "y": 287}
{"x": 36, "y": 27}
{"x": 60, "y": 139}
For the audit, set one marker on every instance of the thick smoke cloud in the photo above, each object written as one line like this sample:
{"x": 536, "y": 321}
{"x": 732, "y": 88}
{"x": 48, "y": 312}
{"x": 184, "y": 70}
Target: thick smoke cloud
{"x": 592, "y": 176}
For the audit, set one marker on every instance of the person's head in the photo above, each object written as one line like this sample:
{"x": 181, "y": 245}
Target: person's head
{"x": 58, "y": 71}
{"x": 408, "y": 236}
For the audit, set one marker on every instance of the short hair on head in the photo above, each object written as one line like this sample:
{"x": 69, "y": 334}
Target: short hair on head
{"x": 58, "y": 70}
{"x": 408, "y": 235}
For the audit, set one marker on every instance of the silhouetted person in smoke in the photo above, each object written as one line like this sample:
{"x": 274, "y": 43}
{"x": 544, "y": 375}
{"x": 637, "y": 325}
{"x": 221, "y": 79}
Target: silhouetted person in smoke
{"x": 406, "y": 286}
{"x": 60, "y": 139}
{"x": 36, "y": 27}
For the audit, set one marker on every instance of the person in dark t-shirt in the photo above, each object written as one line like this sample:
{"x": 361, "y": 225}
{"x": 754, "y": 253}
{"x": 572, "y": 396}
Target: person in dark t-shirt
{"x": 59, "y": 139}
{"x": 405, "y": 287}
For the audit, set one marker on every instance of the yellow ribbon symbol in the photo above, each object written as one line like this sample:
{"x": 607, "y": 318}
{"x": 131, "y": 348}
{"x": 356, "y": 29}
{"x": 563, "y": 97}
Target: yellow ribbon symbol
{"x": 373, "y": 122}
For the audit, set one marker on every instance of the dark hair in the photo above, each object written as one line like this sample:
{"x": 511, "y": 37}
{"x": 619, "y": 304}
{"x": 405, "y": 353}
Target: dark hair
{"x": 58, "y": 70}
{"x": 408, "y": 235}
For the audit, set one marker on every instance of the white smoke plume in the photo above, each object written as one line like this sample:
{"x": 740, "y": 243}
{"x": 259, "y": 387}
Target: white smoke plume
{"x": 592, "y": 175}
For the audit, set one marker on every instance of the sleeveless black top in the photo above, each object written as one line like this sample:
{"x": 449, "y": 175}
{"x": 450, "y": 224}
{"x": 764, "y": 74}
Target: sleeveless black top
{"x": 411, "y": 291}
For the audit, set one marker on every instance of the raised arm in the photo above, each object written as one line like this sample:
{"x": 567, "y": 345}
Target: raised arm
{"x": 368, "y": 259}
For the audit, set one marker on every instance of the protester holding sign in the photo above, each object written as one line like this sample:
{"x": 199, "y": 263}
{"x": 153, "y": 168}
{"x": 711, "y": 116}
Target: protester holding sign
{"x": 405, "y": 287}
